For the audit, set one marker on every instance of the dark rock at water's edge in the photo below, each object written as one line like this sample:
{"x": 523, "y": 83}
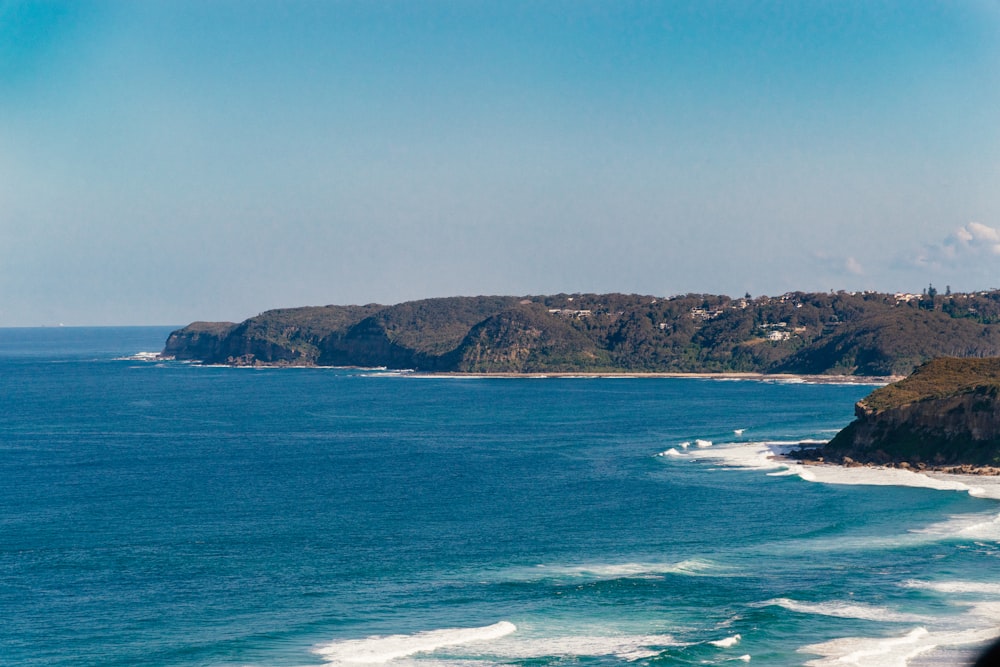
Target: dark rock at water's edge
{"x": 857, "y": 334}
{"x": 945, "y": 415}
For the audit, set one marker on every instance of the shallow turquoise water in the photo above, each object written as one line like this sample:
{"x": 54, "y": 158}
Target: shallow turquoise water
{"x": 169, "y": 514}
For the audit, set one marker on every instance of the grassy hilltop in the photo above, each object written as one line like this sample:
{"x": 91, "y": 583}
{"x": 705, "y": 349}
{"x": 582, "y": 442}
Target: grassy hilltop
{"x": 946, "y": 413}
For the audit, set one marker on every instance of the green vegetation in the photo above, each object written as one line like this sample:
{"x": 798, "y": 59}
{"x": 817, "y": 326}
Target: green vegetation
{"x": 946, "y": 413}
{"x": 937, "y": 379}
{"x": 865, "y": 333}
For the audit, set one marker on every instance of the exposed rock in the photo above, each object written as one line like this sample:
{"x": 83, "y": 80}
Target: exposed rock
{"x": 946, "y": 413}
{"x": 200, "y": 341}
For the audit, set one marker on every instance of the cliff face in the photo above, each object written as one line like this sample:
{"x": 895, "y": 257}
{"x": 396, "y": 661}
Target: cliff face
{"x": 946, "y": 413}
{"x": 199, "y": 341}
{"x": 288, "y": 337}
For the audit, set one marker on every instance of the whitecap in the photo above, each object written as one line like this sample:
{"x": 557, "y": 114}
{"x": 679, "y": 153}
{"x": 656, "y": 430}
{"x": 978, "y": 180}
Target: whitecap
{"x": 703, "y": 443}
{"x": 489, "y": 645}
{"x": 611, "y": 571}
{"x": 143, "y": 356}
{"x": 978, "y": 526}
{"x": 670, "y": 452}
{"x": 625, "y": 646}
{"x": 767, "y": 455}
{"x": 979, "y": 486}
{"x": 894, "y": 651}
{"x": 952, "y": 586}
{"x": 727, "y": 642}
{"x": 839, "y": 609}
{"x": 380, "y": 649}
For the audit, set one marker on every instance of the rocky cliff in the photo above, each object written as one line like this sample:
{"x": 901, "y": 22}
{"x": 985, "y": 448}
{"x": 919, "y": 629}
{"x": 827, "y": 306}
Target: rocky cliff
{"x": 198, "y": 341}
{"x": 946, "y": 413}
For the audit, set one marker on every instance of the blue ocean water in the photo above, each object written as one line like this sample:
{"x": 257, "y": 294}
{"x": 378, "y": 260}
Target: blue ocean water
{"x": 161, "y": 513}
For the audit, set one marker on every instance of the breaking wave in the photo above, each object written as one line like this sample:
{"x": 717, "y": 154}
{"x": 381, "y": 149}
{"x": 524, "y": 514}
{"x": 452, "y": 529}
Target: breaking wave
{"x": 894, "y": 651}
{"x": 727, "y": 642}
{"x": 379, "y": 649}
{"x": 767, "y": 455}
{"x": 975, "y": 587}
{"x": 610, "y": 571}
{"x": 847, "y": 610}
{"x": 490, "y": 644}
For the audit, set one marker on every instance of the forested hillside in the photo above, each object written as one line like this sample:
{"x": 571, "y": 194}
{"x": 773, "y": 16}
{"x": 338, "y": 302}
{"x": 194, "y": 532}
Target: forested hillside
{"x": 863, "y": 333}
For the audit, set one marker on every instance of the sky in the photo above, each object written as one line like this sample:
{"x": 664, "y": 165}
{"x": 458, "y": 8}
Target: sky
{"x": 169, "y": 161}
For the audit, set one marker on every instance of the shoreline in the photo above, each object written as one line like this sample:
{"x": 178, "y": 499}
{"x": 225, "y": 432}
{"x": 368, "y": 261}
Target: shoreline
{"x": 760, "y": 377}
{"x": 919, "y": 468}
{"x": 725, "y": 375}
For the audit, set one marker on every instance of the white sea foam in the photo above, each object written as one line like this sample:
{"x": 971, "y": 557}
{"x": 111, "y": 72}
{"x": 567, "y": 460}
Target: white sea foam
{"x": 890, "y": 651}
{"x": 703, "y": 443}
{"x": 142, "y": 356}
{"x": 980, "y": 486}
{"x": 625, "y": 647}
{"x": 848, "y": 610}
{"x": 976, "y": 626}
{"x": 670, "y": 452}
{"x": 380, "y": 649}
{"x": 611, "y": 571}
{"x": 975, "y": 587}
{"x": 767, "y": 456}
{"x": 977, "y": 526}
{"x": 990, "y": 611}
{"x": 727, "y": 642}
{"x": 489, "y": 645}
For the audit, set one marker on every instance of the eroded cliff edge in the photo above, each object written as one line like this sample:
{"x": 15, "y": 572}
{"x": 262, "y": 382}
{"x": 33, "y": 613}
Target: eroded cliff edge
{"x": 945, "y": 414}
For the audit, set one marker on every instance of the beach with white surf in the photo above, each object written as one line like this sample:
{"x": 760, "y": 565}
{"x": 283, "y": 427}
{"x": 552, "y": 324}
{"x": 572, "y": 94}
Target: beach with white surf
{"x": 930, "y": 623}
{"x": 975, "y": 617}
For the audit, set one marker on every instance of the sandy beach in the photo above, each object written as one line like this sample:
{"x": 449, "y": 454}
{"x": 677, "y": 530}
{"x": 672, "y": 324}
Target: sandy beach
{"x": 759, "y": 377}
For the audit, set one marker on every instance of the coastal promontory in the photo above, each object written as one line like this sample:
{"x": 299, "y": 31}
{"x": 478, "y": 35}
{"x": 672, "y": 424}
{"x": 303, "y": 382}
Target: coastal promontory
{"x": 945, "y": 414}
{"x": 807, "y": 333}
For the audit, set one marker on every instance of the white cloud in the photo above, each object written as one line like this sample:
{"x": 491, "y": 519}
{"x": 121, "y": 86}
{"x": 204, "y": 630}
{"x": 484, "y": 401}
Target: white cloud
{"x": 974, "y": 241}
{"x": 838, "y": 265}
{"x": 853, "y": 266}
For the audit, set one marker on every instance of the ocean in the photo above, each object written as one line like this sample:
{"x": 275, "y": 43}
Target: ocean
{"x": 164, "y": 513}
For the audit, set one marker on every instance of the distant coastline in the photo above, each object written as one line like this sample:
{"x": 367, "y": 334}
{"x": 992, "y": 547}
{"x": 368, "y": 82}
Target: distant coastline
{"x": 760, "y": 377}
{"x": 872, "y": 380}
{"x": 797, "y": 334}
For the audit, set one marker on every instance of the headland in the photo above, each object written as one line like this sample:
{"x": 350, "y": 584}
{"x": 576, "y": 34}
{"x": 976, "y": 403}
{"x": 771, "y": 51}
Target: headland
{"x": 842, "y": 334}
{"x": 944, "y": 417}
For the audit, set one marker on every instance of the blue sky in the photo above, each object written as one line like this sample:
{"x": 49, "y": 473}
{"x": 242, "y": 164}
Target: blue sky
{"x": 162, "y": 162}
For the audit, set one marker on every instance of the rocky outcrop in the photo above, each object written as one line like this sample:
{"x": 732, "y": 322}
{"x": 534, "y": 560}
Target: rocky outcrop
{"x": 283, "y": 337}
{"x": 946, "y": 413}
{"x": 198, "y": 341}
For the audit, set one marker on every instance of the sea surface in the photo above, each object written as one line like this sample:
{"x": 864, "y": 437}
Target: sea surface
{"x": 163, "y": 513}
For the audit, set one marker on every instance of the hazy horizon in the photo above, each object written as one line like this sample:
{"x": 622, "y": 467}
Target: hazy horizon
{"x": 165, "y": 162}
